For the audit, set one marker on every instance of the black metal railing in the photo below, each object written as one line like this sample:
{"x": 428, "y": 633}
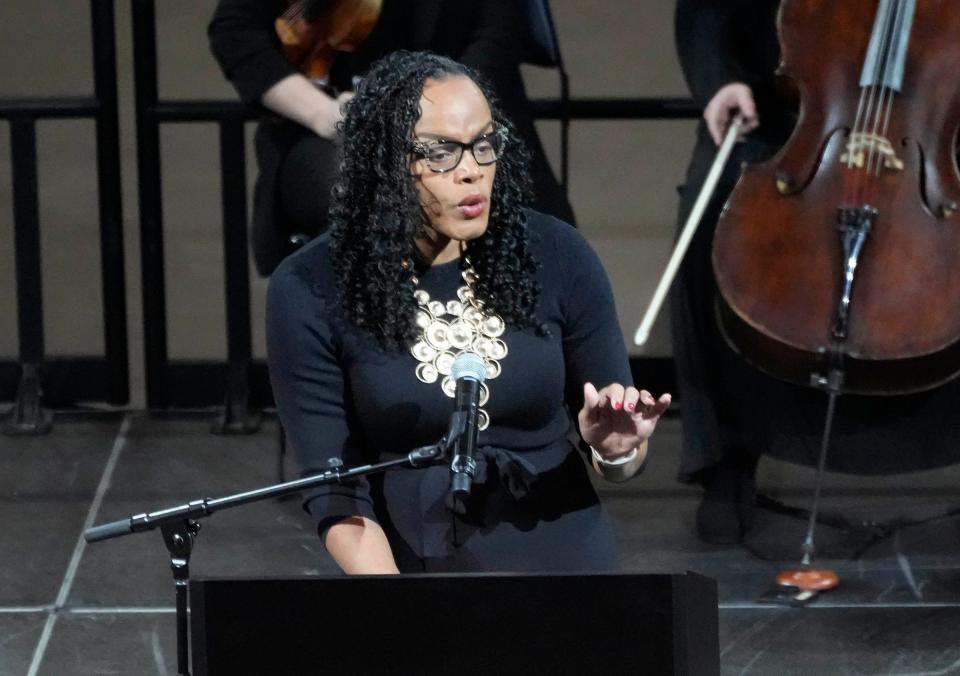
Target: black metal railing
{"x": 241, "y": 383}
{"x": 36, "y": 383}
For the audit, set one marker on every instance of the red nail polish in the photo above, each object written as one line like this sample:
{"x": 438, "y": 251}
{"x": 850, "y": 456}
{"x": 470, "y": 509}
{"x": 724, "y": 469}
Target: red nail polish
{"x": 617, "y": 405}
{"x": 631, "y": 406}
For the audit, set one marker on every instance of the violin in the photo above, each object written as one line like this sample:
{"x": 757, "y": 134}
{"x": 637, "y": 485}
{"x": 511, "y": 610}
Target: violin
{"x": 842, "y": 252}
{"x": 312, "y": 44}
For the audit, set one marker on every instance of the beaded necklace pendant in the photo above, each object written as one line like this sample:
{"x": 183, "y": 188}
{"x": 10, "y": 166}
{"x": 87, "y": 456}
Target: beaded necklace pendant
{"x": 455, "y": 326}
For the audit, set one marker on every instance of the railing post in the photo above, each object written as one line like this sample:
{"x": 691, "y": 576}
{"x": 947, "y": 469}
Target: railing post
{"x": 113, "y": 281}
{"x": 151, "y": 203}
{"x": 237, "y": 417}
{"x": 27, "y": 416}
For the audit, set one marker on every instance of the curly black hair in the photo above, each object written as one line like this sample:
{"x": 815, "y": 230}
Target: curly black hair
{"x": 376, "y": 215}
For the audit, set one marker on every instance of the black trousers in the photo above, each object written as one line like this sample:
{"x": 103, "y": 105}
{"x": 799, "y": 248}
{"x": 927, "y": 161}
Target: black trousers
{"x": 307, "y": 174}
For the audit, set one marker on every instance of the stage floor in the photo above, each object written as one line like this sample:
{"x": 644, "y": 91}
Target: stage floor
{"x": 71, "y": 608}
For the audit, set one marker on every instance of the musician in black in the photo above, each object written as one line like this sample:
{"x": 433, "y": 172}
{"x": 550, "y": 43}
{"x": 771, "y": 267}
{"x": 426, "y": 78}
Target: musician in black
{"x": 732, "y": 413}
{"x": 296, "y": 152}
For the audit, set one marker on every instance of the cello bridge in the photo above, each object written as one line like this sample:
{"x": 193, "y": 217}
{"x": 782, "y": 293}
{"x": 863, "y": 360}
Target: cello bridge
{"x": 863, "y": 147}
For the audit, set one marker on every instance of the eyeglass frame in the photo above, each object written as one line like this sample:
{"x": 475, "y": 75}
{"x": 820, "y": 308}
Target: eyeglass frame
{"x": 422, "y": 147}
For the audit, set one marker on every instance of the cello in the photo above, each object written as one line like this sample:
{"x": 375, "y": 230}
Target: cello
{"x": 838, "y": 260}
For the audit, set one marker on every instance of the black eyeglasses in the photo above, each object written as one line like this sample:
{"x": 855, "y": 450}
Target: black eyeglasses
{"x": 443, "y": 155}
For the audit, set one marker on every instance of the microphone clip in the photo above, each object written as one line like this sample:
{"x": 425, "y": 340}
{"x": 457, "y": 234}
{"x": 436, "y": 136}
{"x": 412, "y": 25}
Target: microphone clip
{"x": 438, "y": 451}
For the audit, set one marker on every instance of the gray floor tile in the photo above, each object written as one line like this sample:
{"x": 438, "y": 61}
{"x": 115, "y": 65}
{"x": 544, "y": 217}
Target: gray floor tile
{"x": 836, "y": 642}
{"x": 100, "y": 644}
{"x": 19, "y": 634}
{"x": 46, "y": 487}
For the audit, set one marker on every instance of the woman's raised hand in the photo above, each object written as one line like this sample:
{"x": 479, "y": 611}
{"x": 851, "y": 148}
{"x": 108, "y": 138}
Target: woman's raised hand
{"x": 615, "y": 420}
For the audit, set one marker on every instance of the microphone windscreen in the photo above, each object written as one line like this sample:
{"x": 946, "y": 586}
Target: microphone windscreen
{"x": 469, "y": 365}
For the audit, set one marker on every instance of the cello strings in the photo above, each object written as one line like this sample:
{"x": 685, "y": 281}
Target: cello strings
{"x": 857, "y": 120}
{"x": 888, "y": 95}
{"x": 878, "y": 84}
{"x": 881, "y": 120}
{"x": 866, "y": 103}
{"x": 850, "y": 188}
{"x": 890, "y": 92}
{"x": 872, "y": 105}
{"x": 885, "y": 60}
{"x": 871, "y": 86}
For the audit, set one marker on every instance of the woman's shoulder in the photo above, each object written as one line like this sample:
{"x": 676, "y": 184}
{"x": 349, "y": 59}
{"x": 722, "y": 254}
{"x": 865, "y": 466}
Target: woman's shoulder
{"x": 308, "y": 269}
{"x": 554, "y": 240}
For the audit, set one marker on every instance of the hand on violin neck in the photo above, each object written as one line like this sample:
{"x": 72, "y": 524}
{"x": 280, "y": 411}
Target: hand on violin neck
{"x": 729, "y": 100}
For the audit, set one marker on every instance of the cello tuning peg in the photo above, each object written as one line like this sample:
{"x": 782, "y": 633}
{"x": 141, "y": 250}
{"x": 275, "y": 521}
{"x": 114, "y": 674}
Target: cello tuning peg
{"x": 947, "y": 210}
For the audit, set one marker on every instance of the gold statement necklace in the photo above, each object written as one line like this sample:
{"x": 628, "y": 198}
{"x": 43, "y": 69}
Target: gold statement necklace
{"x": 461, "y": 325}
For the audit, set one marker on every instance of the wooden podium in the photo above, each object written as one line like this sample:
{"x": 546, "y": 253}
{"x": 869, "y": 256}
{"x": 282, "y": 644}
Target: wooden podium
{"x": 489, "y": 624}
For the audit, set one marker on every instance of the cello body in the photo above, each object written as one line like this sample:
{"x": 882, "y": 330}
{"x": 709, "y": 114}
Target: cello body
{"x": 843, "y": 250}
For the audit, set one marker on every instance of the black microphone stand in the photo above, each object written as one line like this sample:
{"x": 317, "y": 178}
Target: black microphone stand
{"x": 179, "y": 526}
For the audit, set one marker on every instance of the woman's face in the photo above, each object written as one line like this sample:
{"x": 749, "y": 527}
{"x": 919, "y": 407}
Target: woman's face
{"x": 457, "y": 201}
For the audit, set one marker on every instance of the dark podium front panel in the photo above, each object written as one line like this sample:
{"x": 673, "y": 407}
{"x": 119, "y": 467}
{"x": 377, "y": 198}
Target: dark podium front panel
{"x": 456, "y": 624}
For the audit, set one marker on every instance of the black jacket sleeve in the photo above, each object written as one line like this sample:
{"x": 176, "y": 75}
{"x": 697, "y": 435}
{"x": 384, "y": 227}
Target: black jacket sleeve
{"x": 704, "y": 44}
{"x": 245, "y": 44}
{"x": 496, "y": 42}
{"x": 495, "y": 49}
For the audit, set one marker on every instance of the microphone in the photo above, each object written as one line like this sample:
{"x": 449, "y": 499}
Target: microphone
{"x": 469, "y": 371}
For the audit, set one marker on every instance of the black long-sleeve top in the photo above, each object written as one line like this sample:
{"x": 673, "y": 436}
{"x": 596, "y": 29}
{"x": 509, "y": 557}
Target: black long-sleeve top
{"x": 341, "y": 396}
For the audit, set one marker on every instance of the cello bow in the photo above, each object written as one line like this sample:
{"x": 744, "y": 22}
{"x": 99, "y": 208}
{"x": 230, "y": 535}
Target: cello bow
{"x": 689, "y": 229}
